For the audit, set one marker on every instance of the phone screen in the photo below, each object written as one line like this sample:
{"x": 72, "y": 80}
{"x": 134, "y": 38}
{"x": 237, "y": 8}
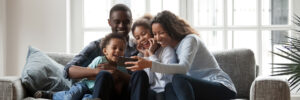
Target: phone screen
{"x": 122, "y": 61}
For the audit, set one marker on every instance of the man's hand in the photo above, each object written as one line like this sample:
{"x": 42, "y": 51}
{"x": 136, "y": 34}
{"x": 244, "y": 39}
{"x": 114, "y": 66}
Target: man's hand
{"x": 112, "y": 69}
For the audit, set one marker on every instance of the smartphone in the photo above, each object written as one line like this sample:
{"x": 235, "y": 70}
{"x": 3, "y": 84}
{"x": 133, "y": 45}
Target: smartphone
{"x": 122, "y": 61}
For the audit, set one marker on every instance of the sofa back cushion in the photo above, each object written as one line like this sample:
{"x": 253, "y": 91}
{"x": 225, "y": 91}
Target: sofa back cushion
{"x": 61, "y": 58}
{"x": 239, "y": 64}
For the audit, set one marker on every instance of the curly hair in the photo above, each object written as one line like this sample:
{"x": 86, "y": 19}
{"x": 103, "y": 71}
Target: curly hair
{"x": 105, "y": 41}
{"x": 175, "y": 27}
{"x": 144, "y": 22}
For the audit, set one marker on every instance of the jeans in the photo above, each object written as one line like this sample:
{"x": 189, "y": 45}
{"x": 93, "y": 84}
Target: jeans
{"x": 184, "y": 87}
{"x": 76, "y": 92}
{"x": 136, "y": 89}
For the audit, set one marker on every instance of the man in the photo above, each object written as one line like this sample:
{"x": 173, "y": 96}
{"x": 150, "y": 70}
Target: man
{"x": 120, "y": 20}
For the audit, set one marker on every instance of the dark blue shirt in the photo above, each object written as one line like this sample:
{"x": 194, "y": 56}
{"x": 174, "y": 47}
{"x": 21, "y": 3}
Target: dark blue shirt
{"x": 93, "y": 50}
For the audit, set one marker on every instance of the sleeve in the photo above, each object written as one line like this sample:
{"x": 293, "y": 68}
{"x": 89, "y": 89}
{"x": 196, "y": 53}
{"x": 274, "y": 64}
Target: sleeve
{"x": 98, "y": 60}
{"x": 185, "y": 52}
{"x": 84, "y": 57}
{"x": 153, "y": 58}
{"x": 168, "y": 56}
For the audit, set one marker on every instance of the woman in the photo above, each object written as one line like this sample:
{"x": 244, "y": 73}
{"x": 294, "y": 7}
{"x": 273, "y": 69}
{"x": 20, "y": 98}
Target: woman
{"x": 197, "y": 73}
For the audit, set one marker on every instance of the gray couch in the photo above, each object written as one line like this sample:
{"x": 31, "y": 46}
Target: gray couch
{"x": 239, "y": 64}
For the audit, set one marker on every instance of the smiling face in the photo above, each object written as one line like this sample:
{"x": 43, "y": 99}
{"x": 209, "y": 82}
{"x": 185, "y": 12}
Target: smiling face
{"x": 120, "y": 22}
{"x": 161, "y": 36}
{"x": 142, "y": 35}
{"x": 114, "y": 49}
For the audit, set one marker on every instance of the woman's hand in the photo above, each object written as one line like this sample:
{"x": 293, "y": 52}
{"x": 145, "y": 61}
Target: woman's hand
{"x": 138, "y": 65}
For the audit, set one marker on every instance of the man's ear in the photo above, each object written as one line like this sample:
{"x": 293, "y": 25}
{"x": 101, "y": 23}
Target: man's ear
{"x": 109, "y": 22}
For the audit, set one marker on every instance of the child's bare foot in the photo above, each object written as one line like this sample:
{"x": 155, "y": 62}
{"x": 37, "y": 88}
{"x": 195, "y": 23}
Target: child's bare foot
{"x": 43, "y": 94}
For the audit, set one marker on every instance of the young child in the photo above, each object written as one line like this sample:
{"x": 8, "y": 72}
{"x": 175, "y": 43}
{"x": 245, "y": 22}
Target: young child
{"x": 148, "y": 48}
{"x": 113, "y": 46}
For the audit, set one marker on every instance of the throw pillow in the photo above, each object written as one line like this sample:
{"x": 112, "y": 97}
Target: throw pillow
{"x": 43, "y": 73}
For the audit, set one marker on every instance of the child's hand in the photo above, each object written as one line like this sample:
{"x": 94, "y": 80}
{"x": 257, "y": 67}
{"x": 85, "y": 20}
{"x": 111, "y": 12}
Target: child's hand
{"x": 141, "y": 49}
{"x": 153, "y": 46}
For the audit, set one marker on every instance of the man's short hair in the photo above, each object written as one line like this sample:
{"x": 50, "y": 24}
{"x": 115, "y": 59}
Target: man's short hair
{"x": 120, "y": 7}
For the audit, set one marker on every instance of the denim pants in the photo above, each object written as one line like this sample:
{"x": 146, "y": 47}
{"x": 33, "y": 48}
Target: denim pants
{"x": 136, "y": 89}
{"x": 184, "y": 87}
{"x": 76, "y": 92}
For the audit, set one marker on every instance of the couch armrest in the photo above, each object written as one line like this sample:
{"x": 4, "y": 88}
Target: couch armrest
{"x": 11, "y": 88}
{"x": 269, "y": 88}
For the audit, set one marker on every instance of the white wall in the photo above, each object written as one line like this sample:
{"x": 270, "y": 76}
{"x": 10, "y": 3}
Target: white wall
{"x": 39, "y": 23}
{"x": 76, "y": 36}
{"x": 2, "y": 36}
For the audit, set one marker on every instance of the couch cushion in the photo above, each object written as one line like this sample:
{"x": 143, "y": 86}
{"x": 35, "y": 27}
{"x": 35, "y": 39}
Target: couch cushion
{"x": 239, "y": 64}
{"x": 42, "y": 73}
{"x": 61, "y": 58}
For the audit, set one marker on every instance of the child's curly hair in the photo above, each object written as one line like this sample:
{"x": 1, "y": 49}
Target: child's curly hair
{"x": 107, "y": 38}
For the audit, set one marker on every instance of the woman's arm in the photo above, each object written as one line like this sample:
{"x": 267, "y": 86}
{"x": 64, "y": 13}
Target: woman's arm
{"x": 186, "y": 52}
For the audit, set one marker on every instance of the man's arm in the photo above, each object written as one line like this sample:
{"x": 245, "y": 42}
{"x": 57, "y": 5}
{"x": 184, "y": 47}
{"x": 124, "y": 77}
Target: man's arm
{"x": 78, "y": 72}
{"x": 77, "y": 67}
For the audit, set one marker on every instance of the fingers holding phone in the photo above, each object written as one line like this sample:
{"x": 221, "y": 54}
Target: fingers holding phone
{"x": 140, "y": 64}
{"x": 122, "y": 61}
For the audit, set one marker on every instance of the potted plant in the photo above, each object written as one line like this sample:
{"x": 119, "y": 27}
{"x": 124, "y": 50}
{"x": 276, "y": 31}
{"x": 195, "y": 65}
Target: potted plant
{"x": 291, "y": 52}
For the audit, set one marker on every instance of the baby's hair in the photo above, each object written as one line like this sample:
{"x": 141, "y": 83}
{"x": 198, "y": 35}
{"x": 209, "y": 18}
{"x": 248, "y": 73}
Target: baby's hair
{"x": 144, "y": 21}
{"x": 107, "y": 38}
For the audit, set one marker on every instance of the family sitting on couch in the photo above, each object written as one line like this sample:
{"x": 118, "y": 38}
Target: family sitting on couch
{"x": 171, "y": 60}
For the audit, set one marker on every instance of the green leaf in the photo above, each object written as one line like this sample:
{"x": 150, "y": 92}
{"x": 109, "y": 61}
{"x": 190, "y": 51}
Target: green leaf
{"x": 293, "y": 55}
{"x": 285, "y": 73}
{"x": 286, "y": 57}
{"x": 293, "y": 84}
